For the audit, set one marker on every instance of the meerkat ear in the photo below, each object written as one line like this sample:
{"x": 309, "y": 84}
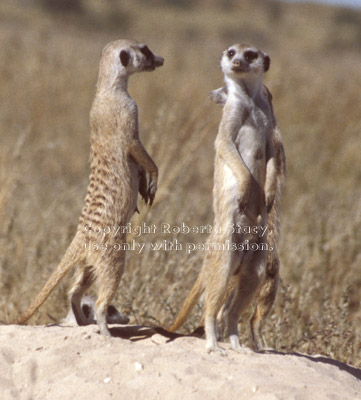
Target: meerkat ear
{"x": 266, "y": 63}
{"x": 124, "y": 58}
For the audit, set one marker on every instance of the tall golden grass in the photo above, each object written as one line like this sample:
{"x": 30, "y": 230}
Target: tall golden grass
{"x": 48, "y": 72}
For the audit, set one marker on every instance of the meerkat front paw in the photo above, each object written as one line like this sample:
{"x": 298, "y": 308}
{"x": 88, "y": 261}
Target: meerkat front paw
{"x": 244, "y": 196}
{"x": 269, "y": 200}
{"x": 143, "y": 190}
{"x": 152, "y": 188}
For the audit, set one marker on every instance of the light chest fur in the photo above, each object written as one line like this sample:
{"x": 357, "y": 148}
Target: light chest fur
{"x": 250, "y": 119}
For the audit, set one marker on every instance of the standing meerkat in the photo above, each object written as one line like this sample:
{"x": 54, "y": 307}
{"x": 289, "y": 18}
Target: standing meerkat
{"x": 268, "y": 289}
{"x": 248, "y": 164}
{"x": 119, "y": 164}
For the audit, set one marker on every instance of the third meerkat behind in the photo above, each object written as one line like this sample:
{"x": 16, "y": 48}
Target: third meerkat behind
{"x": 245, "y": 188}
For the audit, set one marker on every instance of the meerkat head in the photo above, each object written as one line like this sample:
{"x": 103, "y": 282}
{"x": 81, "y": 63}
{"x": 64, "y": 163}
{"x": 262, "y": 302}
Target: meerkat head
{"x": 122, "y": 58}
{"x": 138, "y": 58}
{"x": 242, "y": 61}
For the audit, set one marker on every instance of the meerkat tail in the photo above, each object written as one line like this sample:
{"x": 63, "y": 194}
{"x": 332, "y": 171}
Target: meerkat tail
{"x": 66, "y": 264}
{"x": 188, "y": 304}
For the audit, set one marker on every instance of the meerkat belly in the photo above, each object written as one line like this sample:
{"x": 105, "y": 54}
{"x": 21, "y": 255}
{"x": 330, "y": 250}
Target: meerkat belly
{"x": 225, "y": 191}
{"x": 126, "y": 184}
{"x": 112, "y": 193}
{"x": 251, "y": 144}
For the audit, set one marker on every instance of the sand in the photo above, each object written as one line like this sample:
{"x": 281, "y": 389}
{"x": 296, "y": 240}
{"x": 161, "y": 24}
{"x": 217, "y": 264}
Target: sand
{"x": 59, "y": 362}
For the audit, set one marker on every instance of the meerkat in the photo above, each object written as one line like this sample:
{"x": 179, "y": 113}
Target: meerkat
{"x": 119, "y": 164}
{"x": 87, "y": 304}
{"x": 244, "y": 192}
{"x": 267, "y": 291}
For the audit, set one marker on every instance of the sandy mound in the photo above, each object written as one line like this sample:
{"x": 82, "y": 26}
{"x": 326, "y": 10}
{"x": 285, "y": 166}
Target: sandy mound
{"x": 46, "y": 363}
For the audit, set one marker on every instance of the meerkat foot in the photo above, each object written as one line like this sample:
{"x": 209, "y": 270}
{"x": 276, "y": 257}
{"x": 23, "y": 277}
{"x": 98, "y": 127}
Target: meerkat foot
{"x": 216, "y": 349}
{"x": 238, "y": 348}
{"x": 213, "y": 346}
{"x": 268, "y": 350}
{"x": 101, "y": 320}
{"x": 260, "y": 344}
{"x": 104, "y": 331}
{"x": 234, "y": 341}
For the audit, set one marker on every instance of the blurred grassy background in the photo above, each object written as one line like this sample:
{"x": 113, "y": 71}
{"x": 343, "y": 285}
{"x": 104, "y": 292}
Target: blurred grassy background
{"x": 48, "y": 70}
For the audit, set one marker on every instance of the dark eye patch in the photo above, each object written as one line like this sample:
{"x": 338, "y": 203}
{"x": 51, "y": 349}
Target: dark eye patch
{"x": 266, "y": 63}
{"x": 230, "y": 53}
{"x": 250, "y": 55}
{"x": 147, "y": 52}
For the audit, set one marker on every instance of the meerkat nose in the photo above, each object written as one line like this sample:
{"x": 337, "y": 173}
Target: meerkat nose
{"x": 236, "y": 62}
{"x": 158, "y": 61}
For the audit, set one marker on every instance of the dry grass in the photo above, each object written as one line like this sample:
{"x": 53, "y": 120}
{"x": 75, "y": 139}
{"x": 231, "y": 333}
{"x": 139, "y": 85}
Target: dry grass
{"x": 47, "y": 74}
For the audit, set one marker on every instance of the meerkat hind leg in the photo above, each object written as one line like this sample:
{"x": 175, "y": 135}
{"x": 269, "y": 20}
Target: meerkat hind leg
{"x": 84, "y": 279}
{"x": 265, "y": 300}
{"x": 106, "y": 295}
{"x": 251, "y": 276}
{"x": 108, "y": 284}
{"x": 211, "y": 335}
{"x": 220, "y": 268}
{"x": 222, "y": 318}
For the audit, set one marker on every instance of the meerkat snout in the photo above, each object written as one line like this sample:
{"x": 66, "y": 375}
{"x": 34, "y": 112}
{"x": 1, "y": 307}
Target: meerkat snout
{"x": 152, "y": 61}
{"x": 158, "y": 61}
{"x": 138, "y": 58}
{"x": 238, "y": 65}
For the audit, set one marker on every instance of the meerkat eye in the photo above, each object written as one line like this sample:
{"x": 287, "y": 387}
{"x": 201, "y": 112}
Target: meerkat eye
{"x": 250, "y": 55}
{"x": 231, "y": 53}
{"x": 145, "y": 50}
